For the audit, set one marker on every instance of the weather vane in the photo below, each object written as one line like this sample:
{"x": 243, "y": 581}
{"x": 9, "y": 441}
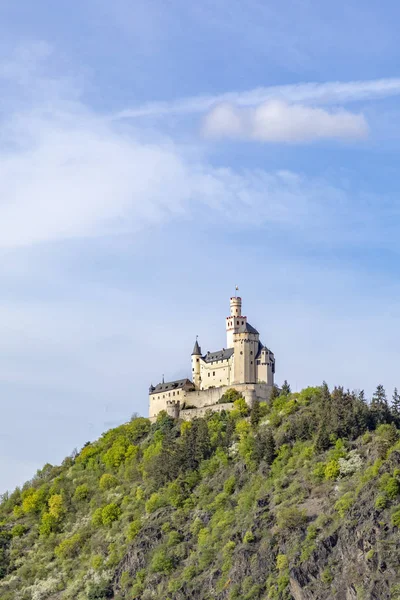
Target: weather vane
{"x": 236, "y": 289}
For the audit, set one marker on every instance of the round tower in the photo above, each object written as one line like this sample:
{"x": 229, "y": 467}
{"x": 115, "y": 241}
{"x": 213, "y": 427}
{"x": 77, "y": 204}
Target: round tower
{"x": 236, "y": 306}
{"x": 235, "y": 321}
{"x": 196, "y": 355}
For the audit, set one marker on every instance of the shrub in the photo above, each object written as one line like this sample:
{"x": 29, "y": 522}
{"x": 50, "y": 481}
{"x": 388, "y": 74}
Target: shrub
{"x": 381, "y": 502}
{"x": 291, "y": 518}
{"x": 48, "y": 524}
{"x": 107, "y": 481}
{"x": 100, "y": 591}
{"x": 110, "y": 513}
{"x": 133, "y": 530}
{"x": 392, "y": 488}
{"x": 229, "y": 396}
{"x": 81, "y": 492}
{"x": 56, "y": 507}
{"x": 155, "y": 502}
{"x": 18, "y": 530}
{"x": 282, "y": 562}
{"x": 248, "y": 537}
{"x": 161, "y": 562}
{"x": 69, "y": 547}
{"x": 344, "y": 503}
{"x": 97, "y": 517}
{"x": 332, "y": 470}
{"x": 396, "y": 517}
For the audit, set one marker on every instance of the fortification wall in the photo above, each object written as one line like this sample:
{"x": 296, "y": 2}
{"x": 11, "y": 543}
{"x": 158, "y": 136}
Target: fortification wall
{"x": 207, "y": 398}
{"x": 191, "y": 413}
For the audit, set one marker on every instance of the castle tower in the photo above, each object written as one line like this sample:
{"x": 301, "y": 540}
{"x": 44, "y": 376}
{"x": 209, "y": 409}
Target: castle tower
{"x": 196, "y": 354}
{"x": 234, "y": 321}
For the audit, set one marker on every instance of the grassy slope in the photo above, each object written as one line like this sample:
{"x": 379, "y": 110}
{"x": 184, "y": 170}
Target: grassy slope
{"x": 303, "y": 504}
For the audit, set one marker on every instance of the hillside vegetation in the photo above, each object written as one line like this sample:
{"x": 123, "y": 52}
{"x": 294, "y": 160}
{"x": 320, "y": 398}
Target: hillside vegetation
{"x": 296, "y": 499}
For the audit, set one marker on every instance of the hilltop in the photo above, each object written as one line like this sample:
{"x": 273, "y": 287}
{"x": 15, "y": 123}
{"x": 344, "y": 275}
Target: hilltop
{"x": 297, "y": 498}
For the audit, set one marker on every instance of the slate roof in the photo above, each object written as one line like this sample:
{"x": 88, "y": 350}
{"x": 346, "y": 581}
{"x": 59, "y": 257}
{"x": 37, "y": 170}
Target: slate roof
{"x": 196, "y": 349}
{"x": 223, "y": 354}
{"x": 246, "y": 328}
{"x": 171, "y": 386}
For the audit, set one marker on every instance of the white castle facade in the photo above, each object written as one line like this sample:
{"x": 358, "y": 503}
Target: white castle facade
{"x": 245, "y": 365}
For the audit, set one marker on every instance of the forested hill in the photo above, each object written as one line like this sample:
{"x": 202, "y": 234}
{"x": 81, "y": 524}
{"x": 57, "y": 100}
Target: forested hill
{"x": 298, "y": 499}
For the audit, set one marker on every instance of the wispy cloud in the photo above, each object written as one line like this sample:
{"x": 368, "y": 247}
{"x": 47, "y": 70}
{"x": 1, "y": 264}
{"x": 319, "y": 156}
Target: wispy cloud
{"x": 328, "y": 93}
{"x": 277, "y": 121}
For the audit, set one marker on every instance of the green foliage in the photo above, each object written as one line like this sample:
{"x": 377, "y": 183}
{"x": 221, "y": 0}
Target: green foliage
{"x": 230, "y": 396}
{"x": 396, "y": 517}
{"x": 381, "y": 502}
{"x": 240, "y": 408}
{"x": 332, "y": 470}
{"x": 110, "y": 513}
{"x": 69, "y": 547}
{"x": 161, "y": 562}
{"x": 81, "y": 493}
{"x": 18, "y": 530}
{"x": 107, "y": 481}
{"x": 291, "y": 518}
{"x": 248, "y": 537}
{"x": 155, "y": 502}
{"x": 233, "y": 488}
{"x": 133, "y": 530}
{"x": 282, "y": 562}
{"x": 344, "y": 503}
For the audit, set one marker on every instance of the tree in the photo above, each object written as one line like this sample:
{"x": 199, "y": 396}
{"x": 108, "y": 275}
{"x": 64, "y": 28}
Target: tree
{"x": 270, "y": 447}
{"x": 255, "y": 414}
{"x": 379, "y": 406}
{"x": 285, "y": 391}
{"x": 396, "y": 403}
{"x": 274, "y": 393}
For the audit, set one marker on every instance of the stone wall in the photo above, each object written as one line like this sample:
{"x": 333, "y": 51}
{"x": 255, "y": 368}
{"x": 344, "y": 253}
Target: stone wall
{"x": 191, "y": 413}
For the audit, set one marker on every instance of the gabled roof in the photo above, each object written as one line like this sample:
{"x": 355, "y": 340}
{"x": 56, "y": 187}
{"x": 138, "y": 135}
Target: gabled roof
{"x": 196, "y": 349}
{"x": 171, "y": 385}
{"x": 223, "y": 354}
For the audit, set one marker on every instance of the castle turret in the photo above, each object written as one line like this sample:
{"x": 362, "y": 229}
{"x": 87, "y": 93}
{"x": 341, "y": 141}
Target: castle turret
{"x": 196, "y": 354}
{"x": 234, "y": 321}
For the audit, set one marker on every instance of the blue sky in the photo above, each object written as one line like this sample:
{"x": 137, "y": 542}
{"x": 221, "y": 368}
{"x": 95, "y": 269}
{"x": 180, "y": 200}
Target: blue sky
{"x": 153, "y": 155}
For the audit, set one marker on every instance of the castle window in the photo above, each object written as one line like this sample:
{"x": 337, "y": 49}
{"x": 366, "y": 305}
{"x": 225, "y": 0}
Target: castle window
{"x": 241, "y": 352}
{"x": 251, "y": 362}
{"x": 242, "y": 322}
{"x": 197, "y": 360}
{"x": 237, "y": 322}
{"x": 173, "y": 393}
{"x": 251, "y": 352}
{"x": 213, "y": 373}
{"x": 209, "y": 374}
{"x": 163, "y": 395}
{"x": 177, "y": 393}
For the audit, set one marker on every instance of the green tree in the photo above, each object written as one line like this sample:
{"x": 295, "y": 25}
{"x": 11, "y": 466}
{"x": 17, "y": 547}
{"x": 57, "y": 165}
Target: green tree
{"x": 396, "y": 403}
{"x": 379, "y": 406}
{"x": 255, "y": 413}
{"x": 285, "y": 391}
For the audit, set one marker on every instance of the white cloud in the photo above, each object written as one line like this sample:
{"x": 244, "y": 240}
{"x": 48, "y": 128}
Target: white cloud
{"x": 277, "y": 121}
{"x": 335, "y": 92}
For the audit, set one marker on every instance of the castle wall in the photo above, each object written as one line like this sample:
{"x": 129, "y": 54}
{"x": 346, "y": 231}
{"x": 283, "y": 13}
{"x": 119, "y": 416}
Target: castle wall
{"x": 158, "y": 402}
{"x": 207, "y": 398}
{"x": 192, "y": 413}
{"x": 215, "y": 374}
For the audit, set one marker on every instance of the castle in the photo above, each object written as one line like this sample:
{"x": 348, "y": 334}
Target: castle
{"x": 245, "y": 365}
